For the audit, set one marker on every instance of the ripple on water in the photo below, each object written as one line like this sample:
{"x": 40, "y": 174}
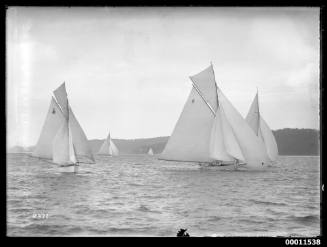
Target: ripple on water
{"x": 138, "y": 195}
{"x": 268, "y": 203}
{"x": 304, "y": 219}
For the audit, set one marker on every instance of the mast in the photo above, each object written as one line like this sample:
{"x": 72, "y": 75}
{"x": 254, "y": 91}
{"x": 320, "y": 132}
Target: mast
{"x": 258, "y": 111}
{"x": 109, "y": 144}
{"x": 71, "y": 146}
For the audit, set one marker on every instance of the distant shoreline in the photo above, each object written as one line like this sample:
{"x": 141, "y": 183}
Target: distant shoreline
{"x": 284, "y": 155}
{"x": 290, "y": 142}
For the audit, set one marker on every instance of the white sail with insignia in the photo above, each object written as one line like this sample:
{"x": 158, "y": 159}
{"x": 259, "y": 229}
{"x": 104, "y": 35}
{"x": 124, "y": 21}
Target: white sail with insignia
{"x": 108, "y": 147}
{"x": 190, "y": 138}
{"x": 53, "y": 122}
{"x": 262, "y": 130}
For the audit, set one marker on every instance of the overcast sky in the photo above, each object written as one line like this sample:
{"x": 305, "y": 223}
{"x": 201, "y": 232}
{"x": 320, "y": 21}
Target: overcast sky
{"x": 127, "y": 69}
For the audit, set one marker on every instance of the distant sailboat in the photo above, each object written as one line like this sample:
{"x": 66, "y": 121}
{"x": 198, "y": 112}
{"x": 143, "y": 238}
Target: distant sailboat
{"x": 108, "y": 147}
{"x": 150, "y": 152}
{"x": 262, "y": 130}
{"x": 62, "y": 139}
{"x": 211, "y": 130}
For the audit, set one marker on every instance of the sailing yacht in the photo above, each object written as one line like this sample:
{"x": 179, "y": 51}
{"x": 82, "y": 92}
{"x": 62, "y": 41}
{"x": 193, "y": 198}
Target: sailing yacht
{"x": 62, "y": 139}
{"x": 108, "y": 147}
{"x": 210, "y": 129}
{"x": 262, "y": 130}
{"x": 150, "y": 152}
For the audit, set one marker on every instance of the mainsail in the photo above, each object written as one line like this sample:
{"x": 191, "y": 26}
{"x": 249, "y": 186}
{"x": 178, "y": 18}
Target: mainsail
{"x": 190, "y": 138}
{"x": 108, "y": 147}
{"x": 210, "y": 128}
{"x": 150, "y": 152}
{"x": 61, "y": 132}
{"x": 53, "y": 122}
{"x": 262, "y": 130}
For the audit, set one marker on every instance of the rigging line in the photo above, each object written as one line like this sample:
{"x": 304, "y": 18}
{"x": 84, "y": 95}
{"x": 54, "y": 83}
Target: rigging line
{"x": 258, "y": 112}
{"x": 201, "y": 95}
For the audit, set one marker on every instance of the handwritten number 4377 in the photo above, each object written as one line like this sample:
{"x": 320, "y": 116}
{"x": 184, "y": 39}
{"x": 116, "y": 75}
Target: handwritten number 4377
{"x": 40, "y": 216}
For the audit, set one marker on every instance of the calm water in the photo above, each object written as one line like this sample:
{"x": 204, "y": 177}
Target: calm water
{"x": 142, "y": 196}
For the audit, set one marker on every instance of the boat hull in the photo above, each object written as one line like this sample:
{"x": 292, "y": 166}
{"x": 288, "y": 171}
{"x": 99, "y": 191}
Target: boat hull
{"x": 69, "y": 168}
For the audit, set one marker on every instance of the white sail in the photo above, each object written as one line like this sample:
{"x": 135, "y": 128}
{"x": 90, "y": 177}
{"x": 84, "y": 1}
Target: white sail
{"x": 190, "y": 138}
{"x": 72, "y": 153}
{"x": 231, "y": 144}
{"x": 253, "y": 115}
{"x": 61, "y": 153}
{"x": 261, "y": 129}
{"x": 104, "y": 149}
{"x": 251, "y": 146}
{"x": 269, "y": 140}
{"x": 150, "y": 152}
{"x": 63, "y": 149}
{"x": 81, "y": 144}
{"x": 113, "y": 148}
{"x": 108, "y": 147}
{"x": 61, "y": 97}
{"x": 217, "y": 147}
{"x": 53, "y": 122}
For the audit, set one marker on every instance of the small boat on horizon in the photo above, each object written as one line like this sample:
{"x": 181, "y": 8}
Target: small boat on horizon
{"x": 108, "y": 147}
{"x": 150, "y": 152}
